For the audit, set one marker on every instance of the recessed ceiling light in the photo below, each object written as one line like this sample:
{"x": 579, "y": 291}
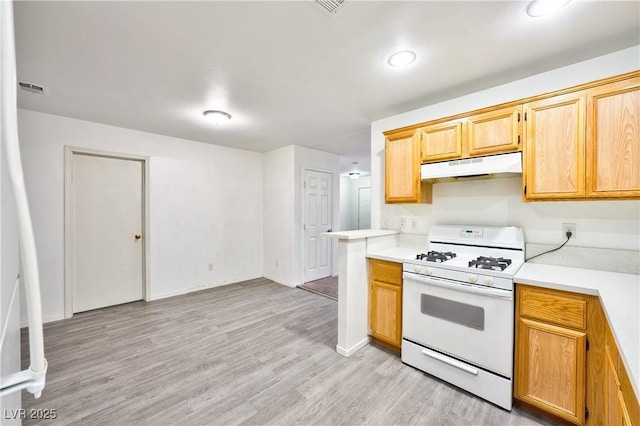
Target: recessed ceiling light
{"x": 217, "y": 116}
{"x": 544, "y": 7}
{"x": 402, "y": 58}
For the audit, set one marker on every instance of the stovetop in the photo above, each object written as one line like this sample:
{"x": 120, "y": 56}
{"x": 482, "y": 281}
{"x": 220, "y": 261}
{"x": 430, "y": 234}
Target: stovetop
{"x": 495, "y": 265}
{"x": 474, "y": 251}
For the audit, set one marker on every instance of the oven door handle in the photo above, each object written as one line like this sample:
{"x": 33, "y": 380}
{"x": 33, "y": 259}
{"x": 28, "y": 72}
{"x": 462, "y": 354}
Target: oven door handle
{"x": 491, "y": 292}
{"x": 452, "y": 362}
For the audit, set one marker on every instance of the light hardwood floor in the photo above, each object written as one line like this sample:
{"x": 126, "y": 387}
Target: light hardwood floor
{"x": 253, "y": 352}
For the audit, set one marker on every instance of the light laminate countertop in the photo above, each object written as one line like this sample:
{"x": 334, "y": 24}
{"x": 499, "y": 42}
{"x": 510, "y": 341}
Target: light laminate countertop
{"x": 618, "y": 293}
{"x": 359, "y": 234}
{"x": 396, "y": 254}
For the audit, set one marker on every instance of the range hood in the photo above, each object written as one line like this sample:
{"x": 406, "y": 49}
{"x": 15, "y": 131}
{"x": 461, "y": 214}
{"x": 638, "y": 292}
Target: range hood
{"x": 501, "y": 164}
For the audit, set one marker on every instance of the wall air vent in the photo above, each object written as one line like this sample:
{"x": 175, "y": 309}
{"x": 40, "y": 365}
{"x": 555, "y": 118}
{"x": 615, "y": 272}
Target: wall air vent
{"x": 33, "y": 88}
{"x": 329, "y": 7}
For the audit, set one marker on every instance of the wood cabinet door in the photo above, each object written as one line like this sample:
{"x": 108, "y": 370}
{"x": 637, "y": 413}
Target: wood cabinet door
{"x": 616, "y": 412}
{"x": 385, "y": 312}
{"x": 494, "y": 132}
{"x": 611, "y": 387}
{"x": 554, "y": 147}
{"x": 442, "y": 141}
{"x": 385, "y": 271}
{"x": 402, "y": 168}
{"x": 550, "y": 369}
{"x": 613, "y": 139}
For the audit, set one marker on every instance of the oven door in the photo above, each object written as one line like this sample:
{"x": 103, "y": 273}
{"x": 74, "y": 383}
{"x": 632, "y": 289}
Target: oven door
{"x": 472, "y": 323}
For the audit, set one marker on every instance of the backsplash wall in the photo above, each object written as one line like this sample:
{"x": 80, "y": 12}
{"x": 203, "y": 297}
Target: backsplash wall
{"x": 599, "y": 224}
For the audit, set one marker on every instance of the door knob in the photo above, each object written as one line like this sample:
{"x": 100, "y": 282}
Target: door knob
{"x": 137, "y": 236}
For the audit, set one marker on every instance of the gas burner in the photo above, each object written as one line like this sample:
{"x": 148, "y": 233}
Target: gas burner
{"x": 493, "y": 263}
{"x": 436, "y": 256}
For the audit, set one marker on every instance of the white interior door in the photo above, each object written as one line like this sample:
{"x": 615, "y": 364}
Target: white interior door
{"x": 107, "y": 231}
{"x": 364, "y": 208}
{"x": 317, "y": 212}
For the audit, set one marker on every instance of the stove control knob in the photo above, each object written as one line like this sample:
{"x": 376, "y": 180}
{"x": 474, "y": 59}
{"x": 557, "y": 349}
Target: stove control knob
{"x": 489, "y": 281}
{"x": 416, "y": 269}
{"x": 473, "y": 278}
{"x": 428, "y": 271}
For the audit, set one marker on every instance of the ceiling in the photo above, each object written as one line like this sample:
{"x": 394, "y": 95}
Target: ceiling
{"x": 288, "y": 72}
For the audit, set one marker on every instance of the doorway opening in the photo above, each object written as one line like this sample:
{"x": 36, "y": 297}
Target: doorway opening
{"x": 318, "y": 219}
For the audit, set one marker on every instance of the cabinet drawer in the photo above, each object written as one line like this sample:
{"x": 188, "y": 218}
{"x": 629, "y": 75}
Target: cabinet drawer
{"x": 387, "y": 272}
{"x": 553, "y": 307}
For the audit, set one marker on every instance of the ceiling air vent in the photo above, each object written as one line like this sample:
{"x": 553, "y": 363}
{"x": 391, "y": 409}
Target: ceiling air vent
{"x": 329, "y": 7}
{"x": 33, "y": 88}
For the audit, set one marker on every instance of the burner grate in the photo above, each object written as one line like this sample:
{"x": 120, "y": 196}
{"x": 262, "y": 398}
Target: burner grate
{"x": 436, "y": 256}
{"x": 493, "y": 263}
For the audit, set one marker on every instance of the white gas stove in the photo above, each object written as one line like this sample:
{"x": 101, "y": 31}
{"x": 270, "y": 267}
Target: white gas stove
{"x": 458, "y": 308}
{"x": 487, "y": 256}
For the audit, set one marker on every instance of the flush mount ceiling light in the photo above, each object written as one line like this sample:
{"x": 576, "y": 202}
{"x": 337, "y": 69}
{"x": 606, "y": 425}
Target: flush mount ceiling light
{"x": 545, "y": 7}
{"x": 355, "y": 174}
{"x": 402, "y": 58}
{"x": 217, "y": 116}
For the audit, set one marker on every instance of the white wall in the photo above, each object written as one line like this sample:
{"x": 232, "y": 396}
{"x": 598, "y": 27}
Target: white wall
{"x": 205, "y": 204}
{"x": 278, "y": 216}
{"x": 345, "y": 204}
{"x": 283, "y": 196}
{"x": 349, "y": 200}
{"x": 605, "y": 224}
{"x": 9, "y": 312}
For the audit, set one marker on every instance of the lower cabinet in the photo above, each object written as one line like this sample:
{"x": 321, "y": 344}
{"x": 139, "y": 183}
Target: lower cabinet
{"x": 385, "y": 303}
{"x": 552, "y": 352}
{"x": 550, "y": 364}
{"x": 616, "y": 412}
{"x": 566, "y": 360}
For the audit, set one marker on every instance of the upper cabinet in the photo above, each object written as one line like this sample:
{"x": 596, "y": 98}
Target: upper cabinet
{"x": 578, "y": 143}
{"x": 402, "y": 169}
{"x": 442, "y": 141}
{"x": 494, "y": 132}
{"x": 554, "y": 154}
{"x": 584, "y": 144}
{"x": 613, "y": 139}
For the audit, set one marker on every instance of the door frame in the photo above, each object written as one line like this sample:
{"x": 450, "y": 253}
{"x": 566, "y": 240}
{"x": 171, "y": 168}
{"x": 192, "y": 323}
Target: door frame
{"x": 302, "y": 218}
{"x": 69, "y": 152}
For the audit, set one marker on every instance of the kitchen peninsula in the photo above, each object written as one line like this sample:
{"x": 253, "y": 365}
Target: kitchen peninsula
{"x": 353, "y": 290}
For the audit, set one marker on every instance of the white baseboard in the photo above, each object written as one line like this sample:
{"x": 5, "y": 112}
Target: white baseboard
{"x": 279, "y": 281}
{"x": 174, "y": 293}
{"x": 194, "y": 289}
{"x": 353, "y": 349}
{"x": 45, "y": 320}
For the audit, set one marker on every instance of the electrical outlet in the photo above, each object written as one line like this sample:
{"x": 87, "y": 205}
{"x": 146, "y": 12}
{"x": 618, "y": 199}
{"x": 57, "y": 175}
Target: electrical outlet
{"x": 211, "y": 267}
{"x": 384, "y": 223}
{"x": 414, "y": 223}
{"x": 568, "y": 227}
{"x": 403, "y": 222}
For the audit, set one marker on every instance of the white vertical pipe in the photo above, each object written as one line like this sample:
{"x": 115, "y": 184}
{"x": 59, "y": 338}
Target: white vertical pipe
{"x": 9, "y": 125}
